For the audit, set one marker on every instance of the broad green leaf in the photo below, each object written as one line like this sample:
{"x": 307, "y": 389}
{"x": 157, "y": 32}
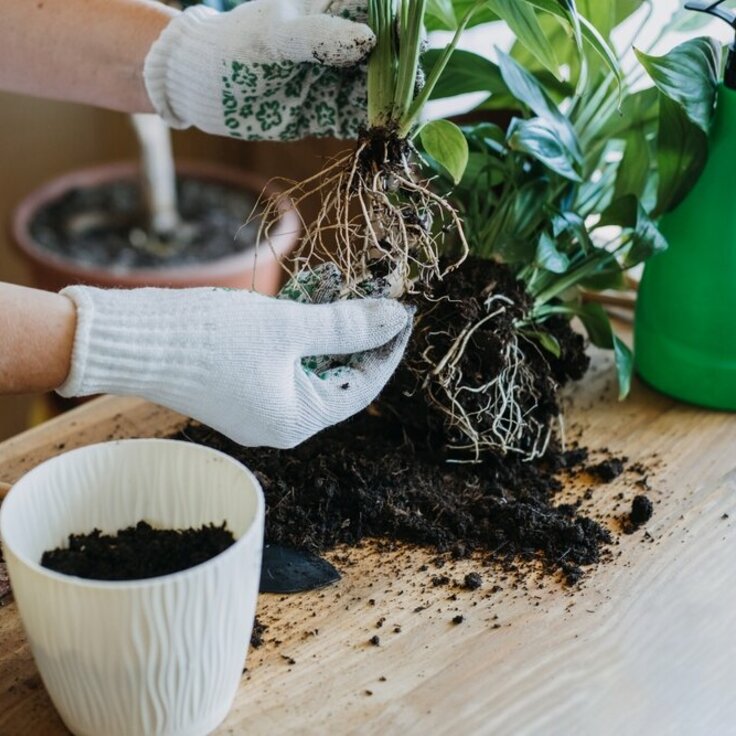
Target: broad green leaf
{"x": 635, "y": 167}
{"x": 682, "y": 151}
{"x": 465, "y": 72}
{"x": 597, "y": 324}
{"x": 446, "y": 144}
{"x": 548, "y": 257}
{"x": 440, "y": 15}
{"x": 624, "y": 366}
{"x": 646, "y": 239}
{"x": 638, "y": 111}
{"x": 688, "y": 75}
{"x": 522, "y": 20}
{"x": 541, "y": 140}
{"x": 528, "y": 91}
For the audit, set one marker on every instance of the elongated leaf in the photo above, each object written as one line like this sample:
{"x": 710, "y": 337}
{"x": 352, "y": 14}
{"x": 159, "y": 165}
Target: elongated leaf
{"x": 549, "y": 257}
{"x": 681, "y": 155}
{"x": 465, "y": 72}
{"x": 635, "y": 168}
{"x": 541, "y": 140}
{"x": 528, "y": 91}
{"x": 549, "y": 342}
{"x": 446, "y": 144}
{"x": 688, "y": 75}
{"x": 522, "y": 20}
{"x": 600, "y": 331}
{"x": 624, "y": 366}
{"x": 602, "y": 15}
{"x": 589, "y": 33}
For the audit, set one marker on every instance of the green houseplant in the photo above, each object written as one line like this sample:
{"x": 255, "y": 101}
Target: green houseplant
{"x": 564, "y": 195}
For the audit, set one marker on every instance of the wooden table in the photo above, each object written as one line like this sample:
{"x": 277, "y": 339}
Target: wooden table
{"x": 647, "y": 644}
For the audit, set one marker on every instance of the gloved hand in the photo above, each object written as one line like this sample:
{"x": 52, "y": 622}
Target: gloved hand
{"x": 233, "y": 359}
{"x": 269, "y": 69}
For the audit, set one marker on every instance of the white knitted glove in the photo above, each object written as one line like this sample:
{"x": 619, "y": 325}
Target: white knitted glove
{"x": 269, "y": 69}
{"x": 233, "y": 359}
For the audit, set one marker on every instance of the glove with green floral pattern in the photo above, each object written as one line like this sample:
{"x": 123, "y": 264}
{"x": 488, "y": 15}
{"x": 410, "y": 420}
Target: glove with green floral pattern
{"x": 266, "y": 70}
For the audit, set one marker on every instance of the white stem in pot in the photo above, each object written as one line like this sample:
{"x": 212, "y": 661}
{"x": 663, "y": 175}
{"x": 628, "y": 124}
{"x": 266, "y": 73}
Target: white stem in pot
{"x": 158, "y": 172}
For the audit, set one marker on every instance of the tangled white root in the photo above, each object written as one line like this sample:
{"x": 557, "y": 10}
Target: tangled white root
{"x": 503, "y": 422}
{"x": 375, "y": 219}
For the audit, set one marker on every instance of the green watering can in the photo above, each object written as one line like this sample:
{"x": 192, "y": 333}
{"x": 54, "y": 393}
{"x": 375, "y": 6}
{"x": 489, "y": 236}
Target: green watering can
{"x": 685, "y": 330}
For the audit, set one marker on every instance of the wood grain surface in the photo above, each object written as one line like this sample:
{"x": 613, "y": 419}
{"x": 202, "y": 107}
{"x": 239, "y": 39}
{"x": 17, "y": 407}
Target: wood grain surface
{"x": 646, "y": 645}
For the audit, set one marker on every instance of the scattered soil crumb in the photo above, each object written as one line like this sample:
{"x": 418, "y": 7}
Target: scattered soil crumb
{"x": 473, "y": 581}
{"x": 641, "y": 510}
{"x": 608, "y": 470}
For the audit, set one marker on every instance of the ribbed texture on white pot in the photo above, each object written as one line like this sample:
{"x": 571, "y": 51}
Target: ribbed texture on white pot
{"x": 157, "y": 657}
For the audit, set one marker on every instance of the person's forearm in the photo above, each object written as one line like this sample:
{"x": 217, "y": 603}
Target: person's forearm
{"x": 36, "y": 339}
{"x": 89, "y": 51}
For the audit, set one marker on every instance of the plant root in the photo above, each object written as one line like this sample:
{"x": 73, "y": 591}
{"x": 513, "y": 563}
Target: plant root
{"x": 378, "y": 221}
{"x": 499, "y": 415}
{"x": 486, "y": 387}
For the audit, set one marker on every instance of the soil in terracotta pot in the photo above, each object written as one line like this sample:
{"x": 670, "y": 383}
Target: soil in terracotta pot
{"x": 384, "y": 474}
{"x": 137, "y": 552}
{"x": 105, "y": 226}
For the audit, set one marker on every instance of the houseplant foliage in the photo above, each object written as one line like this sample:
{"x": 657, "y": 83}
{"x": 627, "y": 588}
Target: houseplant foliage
{"x": 560, "y": 197}
{"x": 565, "y": 191}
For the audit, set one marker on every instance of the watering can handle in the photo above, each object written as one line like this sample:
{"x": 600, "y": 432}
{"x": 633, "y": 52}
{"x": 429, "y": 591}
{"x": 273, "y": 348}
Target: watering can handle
{"x": 714, "y": 9}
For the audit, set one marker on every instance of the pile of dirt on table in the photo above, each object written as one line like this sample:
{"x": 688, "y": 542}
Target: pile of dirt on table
{"x": 369, "y": 479}
{"x": 385, "y": 474}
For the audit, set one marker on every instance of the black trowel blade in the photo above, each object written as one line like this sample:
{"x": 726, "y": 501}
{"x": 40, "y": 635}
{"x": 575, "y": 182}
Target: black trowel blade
{"x": 286, "y": 570}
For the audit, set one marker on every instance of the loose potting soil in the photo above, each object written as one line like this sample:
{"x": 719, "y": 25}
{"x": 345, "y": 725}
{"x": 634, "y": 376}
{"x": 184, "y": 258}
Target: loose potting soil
{"x": 137, "y": 552}
{"x": 104, "y": 226}
{"x": 385, "y": 473}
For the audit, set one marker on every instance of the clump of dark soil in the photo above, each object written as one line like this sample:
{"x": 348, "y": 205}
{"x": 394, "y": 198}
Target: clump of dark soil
{"x": 641, "y": 511}
{"x": 137, "y": 552}
{"x": 608, "y": 470}
{"x": 105, "y": 226}
{"x": 452, "y": 394}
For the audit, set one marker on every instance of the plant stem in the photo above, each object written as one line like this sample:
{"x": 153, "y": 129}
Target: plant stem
{"x": 409, "y": 119}
{"x": 410, "y": 33}
{"x": 382, "y": 64}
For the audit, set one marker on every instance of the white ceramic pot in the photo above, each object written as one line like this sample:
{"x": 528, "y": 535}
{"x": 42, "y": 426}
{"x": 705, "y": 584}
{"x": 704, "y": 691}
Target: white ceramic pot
{"x": 153, "y": 657}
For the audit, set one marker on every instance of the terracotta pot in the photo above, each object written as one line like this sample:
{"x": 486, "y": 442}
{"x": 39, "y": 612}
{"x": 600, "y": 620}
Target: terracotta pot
{"x": 53, "y": 272}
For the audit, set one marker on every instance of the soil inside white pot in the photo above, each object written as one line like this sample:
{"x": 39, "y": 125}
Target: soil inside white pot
{"x": 106, "y": 226}
{"x": 137, "y": 552}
